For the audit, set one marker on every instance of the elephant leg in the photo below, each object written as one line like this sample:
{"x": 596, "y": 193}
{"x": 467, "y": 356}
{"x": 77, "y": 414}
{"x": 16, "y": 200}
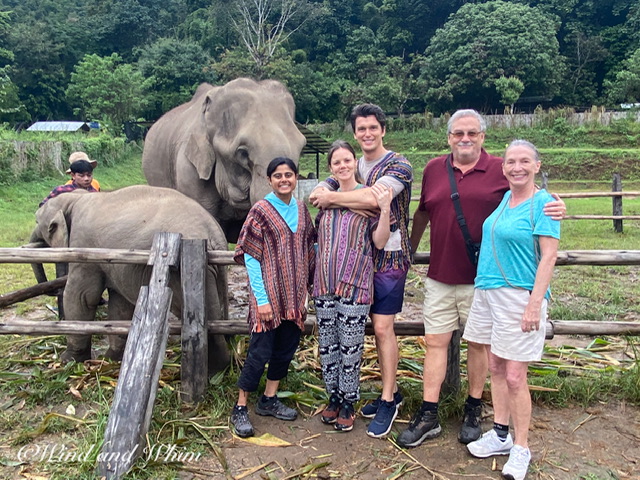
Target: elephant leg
{"x": 119, "y": 308}
{"x": 219, "y": 357}
{"x": 82, "y": 293}
{"x": 217, "y": 292}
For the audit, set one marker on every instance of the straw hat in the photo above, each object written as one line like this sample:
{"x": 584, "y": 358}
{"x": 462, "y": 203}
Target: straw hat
{"x": 75, "y": 156}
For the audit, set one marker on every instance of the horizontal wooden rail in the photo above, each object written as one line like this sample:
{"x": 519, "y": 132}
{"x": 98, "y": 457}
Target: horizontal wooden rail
{"x": 220, "y": 257}
{"x": 240, "y": 327}
{"x": 598, "y": 194}
{"x": 602, "y": 217}
{"x": 93, "y": 255}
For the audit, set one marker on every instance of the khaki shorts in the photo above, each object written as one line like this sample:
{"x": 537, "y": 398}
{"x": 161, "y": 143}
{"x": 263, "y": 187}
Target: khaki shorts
{"x": 495, "y": 318}
{"x": 446, "y": 307}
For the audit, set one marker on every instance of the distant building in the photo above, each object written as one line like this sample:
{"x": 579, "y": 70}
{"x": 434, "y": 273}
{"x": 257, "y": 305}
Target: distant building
{"x": 63, "y": 126}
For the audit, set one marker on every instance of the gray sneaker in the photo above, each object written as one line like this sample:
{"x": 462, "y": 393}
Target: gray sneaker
{"x": 240, "y": 421}
{"x": 423, "y": 425}
{"x": 490, "y": 444}
{"x": 275, "y": 408}
{"x": 518, "y": 464}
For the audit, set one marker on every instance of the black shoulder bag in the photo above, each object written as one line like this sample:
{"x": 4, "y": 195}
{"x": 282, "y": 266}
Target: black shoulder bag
{"x": 473, "y": 249}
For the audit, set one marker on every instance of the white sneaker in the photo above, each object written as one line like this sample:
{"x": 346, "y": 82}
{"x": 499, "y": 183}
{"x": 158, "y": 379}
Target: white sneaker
{"x": 518, "y": 464}
{"x": 490, "y": 444}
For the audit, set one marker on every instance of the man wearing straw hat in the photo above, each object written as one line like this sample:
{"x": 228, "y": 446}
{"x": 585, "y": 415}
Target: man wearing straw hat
{"x": 74, "y": 157}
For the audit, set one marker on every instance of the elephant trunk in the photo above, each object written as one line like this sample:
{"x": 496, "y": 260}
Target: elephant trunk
{"x": 36, "y": 241}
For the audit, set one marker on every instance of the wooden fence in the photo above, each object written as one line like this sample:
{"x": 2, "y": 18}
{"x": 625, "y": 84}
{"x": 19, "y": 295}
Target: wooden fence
{"x": 132, "y": 406}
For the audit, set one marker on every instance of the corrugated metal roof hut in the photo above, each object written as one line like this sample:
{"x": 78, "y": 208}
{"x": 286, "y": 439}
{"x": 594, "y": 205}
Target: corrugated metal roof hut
{"x": 59, "y": 127}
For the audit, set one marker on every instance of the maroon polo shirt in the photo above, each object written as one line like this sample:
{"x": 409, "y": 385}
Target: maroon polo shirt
{"x": 481, "y": 189}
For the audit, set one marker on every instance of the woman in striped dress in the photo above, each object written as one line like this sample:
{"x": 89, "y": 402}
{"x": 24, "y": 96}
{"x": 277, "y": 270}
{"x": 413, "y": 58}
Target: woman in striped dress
{"x": 343, "y": 286}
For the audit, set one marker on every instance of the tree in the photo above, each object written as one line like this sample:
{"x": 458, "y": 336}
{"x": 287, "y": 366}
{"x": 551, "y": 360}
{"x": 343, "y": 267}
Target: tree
{"x": 482, "y": 42}
{"x": 625, "y": 87}
{"x": 264, "y": 25}
{"x": 173, "y": 69}
{"x": 510, "y": 89}
{"x": 106, "y": 88}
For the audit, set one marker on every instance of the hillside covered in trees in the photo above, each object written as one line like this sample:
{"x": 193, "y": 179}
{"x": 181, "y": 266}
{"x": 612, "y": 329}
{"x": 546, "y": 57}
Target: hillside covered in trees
{"x": 119, "y": 60}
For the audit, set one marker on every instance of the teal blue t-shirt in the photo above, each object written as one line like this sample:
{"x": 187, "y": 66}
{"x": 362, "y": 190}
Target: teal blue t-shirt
{"x": 509, "y": 233}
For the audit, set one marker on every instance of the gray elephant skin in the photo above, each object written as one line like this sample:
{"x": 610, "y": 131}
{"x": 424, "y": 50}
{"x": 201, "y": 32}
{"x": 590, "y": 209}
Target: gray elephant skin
{"x": 127, "y": 219}
{"x": 216, "y": 148}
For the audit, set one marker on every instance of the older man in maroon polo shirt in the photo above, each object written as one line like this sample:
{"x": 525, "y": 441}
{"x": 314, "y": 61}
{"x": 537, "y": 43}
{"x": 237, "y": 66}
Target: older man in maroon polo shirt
{"x": 449, "y": 285}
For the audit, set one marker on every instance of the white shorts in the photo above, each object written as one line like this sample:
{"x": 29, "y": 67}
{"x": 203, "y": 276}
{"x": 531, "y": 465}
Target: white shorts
{"x": 446, "y": 307}
{"x": 495, "y": 319}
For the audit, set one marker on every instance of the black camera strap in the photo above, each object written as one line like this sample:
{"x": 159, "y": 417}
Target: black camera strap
{"x": 455, "y": 197}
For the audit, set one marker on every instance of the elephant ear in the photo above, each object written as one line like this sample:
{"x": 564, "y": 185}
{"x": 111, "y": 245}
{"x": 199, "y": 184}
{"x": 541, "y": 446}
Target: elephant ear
{"x": 199, "y": 150}
{"x": 57, "y": 230}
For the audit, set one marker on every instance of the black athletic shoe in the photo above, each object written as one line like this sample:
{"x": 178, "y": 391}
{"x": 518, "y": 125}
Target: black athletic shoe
{"x": 470, "y": 430}
{"x": 423, "y": 425}
{"x": 275, "y": 408}
{"x": 330, "y": 414}
{"x": 240, "y": 421}
{"x": 346, "y": 418}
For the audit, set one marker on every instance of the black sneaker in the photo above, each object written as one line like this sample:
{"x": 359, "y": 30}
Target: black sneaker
{"x": 470, "y": 430}
{"x": 346, "y": 418}
{"x": 330, "y": 413}
{"x": 240, "y": 421}
{"x": 370, "y": 409}
{"x": 423, "y": 425}
{"x": 275, "y": 408}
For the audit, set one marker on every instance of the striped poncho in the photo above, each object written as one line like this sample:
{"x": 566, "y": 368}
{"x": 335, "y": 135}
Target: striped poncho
{"x": 287, "y": 260}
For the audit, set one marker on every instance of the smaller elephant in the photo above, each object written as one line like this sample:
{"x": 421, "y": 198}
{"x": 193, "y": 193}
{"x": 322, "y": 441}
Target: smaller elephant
{"x": 127, "y": 219}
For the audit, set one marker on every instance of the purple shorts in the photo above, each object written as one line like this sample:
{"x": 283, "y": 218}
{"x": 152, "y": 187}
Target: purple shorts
{"x": 388, "y": 291}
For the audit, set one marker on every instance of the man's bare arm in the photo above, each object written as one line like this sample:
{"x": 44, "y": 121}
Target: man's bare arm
{"x": 360, "y": 199}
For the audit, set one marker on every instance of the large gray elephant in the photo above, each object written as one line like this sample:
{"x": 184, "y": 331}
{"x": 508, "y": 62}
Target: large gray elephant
{"x": 216, "y": 147}
{"x": 127, "y": 219}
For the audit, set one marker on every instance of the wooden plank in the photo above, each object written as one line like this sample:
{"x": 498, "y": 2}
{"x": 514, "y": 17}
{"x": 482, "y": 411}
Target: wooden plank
{"x": 239, "y": 327}
{"x": 566, "y": 257}
{"x": 84, "y": 255}
{"x": 94, "y": 255}
{"x": 130, "y": 415}
{"x": 23, "y": 294}
{"x": 598, "y": 194}
{"x": 193, "y": 367}
{"x": 602, "y": 217}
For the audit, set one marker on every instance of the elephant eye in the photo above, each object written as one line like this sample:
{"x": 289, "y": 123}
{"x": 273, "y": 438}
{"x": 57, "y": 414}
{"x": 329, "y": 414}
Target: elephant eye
{"x": 243, "y": 154}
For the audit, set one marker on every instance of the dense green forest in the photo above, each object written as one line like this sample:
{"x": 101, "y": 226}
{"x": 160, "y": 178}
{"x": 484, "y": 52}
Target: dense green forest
{"x": 119, "y": 60}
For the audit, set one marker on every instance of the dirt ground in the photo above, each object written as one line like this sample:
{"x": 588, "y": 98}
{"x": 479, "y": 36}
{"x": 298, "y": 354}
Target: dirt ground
{"x": 601, "y": 442}
{"x": 595, "y": 443}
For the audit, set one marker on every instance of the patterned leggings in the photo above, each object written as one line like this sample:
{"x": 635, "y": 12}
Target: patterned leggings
{"x": 341, "y": 327}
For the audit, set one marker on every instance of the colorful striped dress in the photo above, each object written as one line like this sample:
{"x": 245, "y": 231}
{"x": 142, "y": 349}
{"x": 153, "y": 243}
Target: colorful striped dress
{"x": 344, "y": 264}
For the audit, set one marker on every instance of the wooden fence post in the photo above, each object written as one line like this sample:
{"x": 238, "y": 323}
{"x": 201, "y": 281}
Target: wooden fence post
{"x": 545, "y": 180}
{"x": 130, "y": 416}
{"x": 193, "y": 366}
{"x": 617, "y": 202}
